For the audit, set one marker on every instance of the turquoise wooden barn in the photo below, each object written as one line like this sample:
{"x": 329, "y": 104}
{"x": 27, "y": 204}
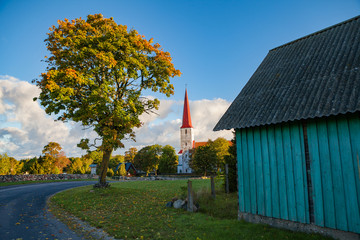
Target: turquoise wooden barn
{"x": 297, "y": 124}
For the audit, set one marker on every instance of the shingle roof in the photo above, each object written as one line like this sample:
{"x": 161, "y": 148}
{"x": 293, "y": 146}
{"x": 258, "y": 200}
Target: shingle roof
{"x": 128, "y": 166}
{"x": 200, "y": 144}
{"x": 315, "y": 76}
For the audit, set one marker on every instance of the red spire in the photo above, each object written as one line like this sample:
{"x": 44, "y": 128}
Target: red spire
{"x": 186, "y": 122}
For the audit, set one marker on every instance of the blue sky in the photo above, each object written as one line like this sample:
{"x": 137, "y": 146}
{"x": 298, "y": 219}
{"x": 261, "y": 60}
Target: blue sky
{"x": 217, "y": 45}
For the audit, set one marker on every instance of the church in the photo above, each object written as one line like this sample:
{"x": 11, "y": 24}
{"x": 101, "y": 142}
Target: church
{"x": 187, "y": 142}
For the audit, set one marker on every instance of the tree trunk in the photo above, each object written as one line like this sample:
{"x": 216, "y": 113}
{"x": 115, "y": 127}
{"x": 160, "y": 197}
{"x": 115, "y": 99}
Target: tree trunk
{"x": 104, "y": 167}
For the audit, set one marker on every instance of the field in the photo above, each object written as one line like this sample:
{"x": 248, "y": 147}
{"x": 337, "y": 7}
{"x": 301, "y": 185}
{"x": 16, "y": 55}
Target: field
{"x": 136, "y": 210}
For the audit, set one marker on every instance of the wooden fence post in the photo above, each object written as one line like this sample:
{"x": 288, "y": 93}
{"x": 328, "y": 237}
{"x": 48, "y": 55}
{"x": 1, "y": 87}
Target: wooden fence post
{"x": 227, "y": 178}
{"x": 212, "y": 187}
{"x": 190, "y": 200}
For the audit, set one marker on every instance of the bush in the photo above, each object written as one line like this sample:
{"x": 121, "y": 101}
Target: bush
{"x": 110, "y": 172}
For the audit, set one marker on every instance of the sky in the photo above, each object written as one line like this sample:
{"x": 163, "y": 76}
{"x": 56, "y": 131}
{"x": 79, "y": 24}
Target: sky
{"x": 217, "y": 45}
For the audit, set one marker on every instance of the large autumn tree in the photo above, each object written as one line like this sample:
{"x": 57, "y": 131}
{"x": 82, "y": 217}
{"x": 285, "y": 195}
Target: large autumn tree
{"x": 96, "y": 73}
{"x": 130, "y": 154}
{"x": 54, "y": 159}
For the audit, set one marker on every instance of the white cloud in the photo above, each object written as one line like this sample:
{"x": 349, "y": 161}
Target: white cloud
{"x": 204, "y": 115}
{"x": 25, "y": 128}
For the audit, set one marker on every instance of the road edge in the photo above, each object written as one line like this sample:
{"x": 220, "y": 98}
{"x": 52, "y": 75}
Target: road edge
{"x": 75, "y": 224}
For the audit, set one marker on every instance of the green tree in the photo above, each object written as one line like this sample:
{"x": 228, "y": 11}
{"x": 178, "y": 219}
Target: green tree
{"x": 28, "y": 164}
{"x": 122, "y": 170}
{"x": 115, "y": 160}
{"x": 130, "y": 155}
{"x": 19, "y": 167}
{"x": 47, "y": 165}
{"x": 5, "y": 164}
{"x": 9, "y": 165}
{"x": 76, "y": 166}
{"x": 221, "y": 147}
{"x": 110, "y": 172}
{"x": 36, "y": 166}
{"x": 96, "y": 73}
{"x": 231, "y": 160}
{"x": 14, "y": 165}
{"x": 168, "y": 160}
{"x": 147, "y": 159}
{"x": 203, "y": 160}
{"x": 94, "y": 156}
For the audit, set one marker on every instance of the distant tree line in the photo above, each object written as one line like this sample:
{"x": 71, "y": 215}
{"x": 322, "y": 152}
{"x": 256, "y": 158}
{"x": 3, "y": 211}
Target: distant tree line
{"x": 54, "y": 161}
{"x": 156, "y": 159}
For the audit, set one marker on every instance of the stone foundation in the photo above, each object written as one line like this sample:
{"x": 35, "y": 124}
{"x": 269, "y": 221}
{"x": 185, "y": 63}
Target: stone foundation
{"x": 296, "y": 226}
{"x": 33, "y": 177}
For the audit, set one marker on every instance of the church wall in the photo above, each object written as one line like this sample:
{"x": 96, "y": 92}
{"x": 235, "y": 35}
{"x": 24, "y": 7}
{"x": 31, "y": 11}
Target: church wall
{"x": 186, "y": 138}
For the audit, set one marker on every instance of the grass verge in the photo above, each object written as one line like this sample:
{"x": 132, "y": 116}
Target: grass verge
{"x": 4, "y": 184}
{"x": 136, "y": 210}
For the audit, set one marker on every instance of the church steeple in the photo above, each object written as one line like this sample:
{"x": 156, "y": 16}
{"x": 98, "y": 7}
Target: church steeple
{"x": 186, "y": 122}
{"x": 186, "y": 129}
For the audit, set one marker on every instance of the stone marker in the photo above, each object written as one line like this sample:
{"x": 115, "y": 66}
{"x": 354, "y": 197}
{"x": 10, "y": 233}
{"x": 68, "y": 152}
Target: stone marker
{"x": 178, "y": 203}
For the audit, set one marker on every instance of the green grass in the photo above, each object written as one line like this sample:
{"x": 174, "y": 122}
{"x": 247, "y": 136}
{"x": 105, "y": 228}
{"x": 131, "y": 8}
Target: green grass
{"x": 3, "y": 184}
{"x": 136, "y": 210}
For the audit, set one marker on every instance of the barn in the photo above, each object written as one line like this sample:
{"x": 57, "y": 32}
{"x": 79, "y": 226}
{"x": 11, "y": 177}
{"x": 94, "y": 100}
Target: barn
{"x": 297, "y": 124}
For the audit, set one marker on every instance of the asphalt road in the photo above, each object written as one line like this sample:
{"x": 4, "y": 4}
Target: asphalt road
{"x": 23, "y": 213}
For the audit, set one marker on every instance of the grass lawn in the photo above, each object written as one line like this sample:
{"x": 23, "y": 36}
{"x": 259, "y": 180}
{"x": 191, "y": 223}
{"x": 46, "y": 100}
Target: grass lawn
{"x": 136, "y": 210}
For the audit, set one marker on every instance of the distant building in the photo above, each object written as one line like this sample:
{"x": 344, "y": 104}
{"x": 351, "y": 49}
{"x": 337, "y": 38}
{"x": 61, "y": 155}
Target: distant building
{"x": 128, "y": 167}
{"x": 187, "y": 141}
{"x": 93, "y": 168}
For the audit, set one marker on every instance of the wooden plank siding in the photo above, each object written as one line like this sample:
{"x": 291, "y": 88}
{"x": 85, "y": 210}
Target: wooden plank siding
{"x": 275, "y": 193}
{"x": 334, "y": 147}
{"x": 272, "y": 175}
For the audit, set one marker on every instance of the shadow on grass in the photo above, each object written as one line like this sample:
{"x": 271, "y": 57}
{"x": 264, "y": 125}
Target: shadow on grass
{"x": 136, "y": 210}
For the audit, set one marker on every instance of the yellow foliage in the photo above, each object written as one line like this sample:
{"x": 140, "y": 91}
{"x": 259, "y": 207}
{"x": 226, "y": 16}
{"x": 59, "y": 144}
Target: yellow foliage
{"x": 97, "y": 70}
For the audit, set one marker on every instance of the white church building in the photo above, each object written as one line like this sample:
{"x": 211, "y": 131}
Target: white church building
{"x": 186, "y": 139}
{"x": 187, "y": 142}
